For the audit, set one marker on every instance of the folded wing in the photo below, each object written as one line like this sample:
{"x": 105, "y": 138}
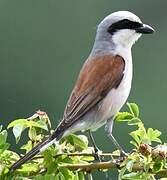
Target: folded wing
{"x": 96, "y": 79}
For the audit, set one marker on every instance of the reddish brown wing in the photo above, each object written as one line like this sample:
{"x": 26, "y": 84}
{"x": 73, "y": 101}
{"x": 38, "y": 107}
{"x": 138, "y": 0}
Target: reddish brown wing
{"x": 96, "y": 79}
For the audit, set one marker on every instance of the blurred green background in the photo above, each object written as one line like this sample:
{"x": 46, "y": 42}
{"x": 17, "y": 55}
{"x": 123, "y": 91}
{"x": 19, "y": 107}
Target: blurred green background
{"x": 43, "y": 44}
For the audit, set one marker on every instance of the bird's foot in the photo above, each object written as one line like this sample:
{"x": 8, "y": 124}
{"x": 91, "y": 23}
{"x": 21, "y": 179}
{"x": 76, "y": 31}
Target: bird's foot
{"x": 97, "y": 155}
{"x": 121, "y": 158}
{"x": 123, "y": 154}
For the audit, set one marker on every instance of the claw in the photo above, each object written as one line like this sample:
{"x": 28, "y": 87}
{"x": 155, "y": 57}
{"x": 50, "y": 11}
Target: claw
{"x": 123, "y": 154}
{"x": 97, "y": 155}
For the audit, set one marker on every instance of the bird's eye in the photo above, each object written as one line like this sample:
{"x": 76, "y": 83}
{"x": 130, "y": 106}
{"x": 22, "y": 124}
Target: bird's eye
{"x": 123, "y": 24}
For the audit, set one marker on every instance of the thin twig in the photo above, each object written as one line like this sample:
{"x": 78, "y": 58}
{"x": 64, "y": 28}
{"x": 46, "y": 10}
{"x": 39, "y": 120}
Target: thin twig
{"x": 77, "y": 154}
{"x": 108, "y": 165}
{"x": 91, "y": 166}
{"x": 100, "y": 165}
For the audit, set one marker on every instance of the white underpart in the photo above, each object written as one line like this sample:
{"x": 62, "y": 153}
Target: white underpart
{"x": 124, "y": 39}
{"x": 116, "y": 98}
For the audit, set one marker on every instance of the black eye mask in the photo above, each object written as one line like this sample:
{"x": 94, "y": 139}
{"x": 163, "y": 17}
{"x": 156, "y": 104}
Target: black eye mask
{"x": 123, "y": 24}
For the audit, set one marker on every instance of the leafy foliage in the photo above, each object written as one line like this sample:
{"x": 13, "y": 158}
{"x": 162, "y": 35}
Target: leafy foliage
{"x": 146, "y": 160}
{"x": 143, "y": 154}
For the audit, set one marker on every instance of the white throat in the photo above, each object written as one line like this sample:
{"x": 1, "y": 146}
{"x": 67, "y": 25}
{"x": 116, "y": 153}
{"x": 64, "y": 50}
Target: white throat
{"x": 125, "y": 38}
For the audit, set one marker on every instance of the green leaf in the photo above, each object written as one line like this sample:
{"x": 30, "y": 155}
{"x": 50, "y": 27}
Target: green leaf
{"x": 158, "y": 166}
{"x": 135, "y": 136}
{"x": 1, "y": 128}
{"x": 28, "y": 123}
{"x": 121, "y": 173}
{"x": 7, "y": 158}
{"x": 61, "y": 176}
{"x": 47, "y": 158}
{"x": 76, "y": 141}
{"x": 27, "y": 146}
{"x": 3, "y": 136}
{"x": 153, "y": 135}
{"x": 76, "y": 176}
{"x": 134, "y": 121}
{"x": 134, "y": 109}
{"x": 30, "y": 167}
{"x": 134, "y": 143}
{"x": 18, "y": 122}
{"x": 46, "y": 177}
{"x": 4, "y": 147}
{"x": 123, "y": 116}
{"x": 43, "y": 125}
{"x": 38, "y": 124}
{"x": 84, "y": 139}
{"x": 51, "y": 167}
{"x": 87, "y": 158}
{"x": 132, "y": 176}
{"x": 17, "y": 130}
{"x": 32, "y": 133}
{"x": 81, "y": 175}
{"x": 129, "y": 165}
{"x": 66, "y": 173}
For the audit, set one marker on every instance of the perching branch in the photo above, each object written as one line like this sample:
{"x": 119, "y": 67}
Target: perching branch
{"x": 114, "y": 164}
{"x": 92, "y": 166}
{"x": 109, "y": 165}
{"x": 78, "y": 154}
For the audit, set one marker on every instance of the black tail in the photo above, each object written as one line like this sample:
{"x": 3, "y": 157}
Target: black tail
{"x": 37, "y": 149}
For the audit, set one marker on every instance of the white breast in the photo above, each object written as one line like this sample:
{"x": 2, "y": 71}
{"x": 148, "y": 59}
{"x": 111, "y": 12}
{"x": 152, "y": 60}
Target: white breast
{"x": 116, "y": 98}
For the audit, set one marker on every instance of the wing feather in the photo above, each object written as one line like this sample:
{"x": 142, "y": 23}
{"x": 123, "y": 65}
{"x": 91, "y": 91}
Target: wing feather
{"x": 96, "y": 79}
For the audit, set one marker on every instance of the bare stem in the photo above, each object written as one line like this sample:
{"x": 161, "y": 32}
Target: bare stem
{"x": 78, "y": 154}
{"x": 114, "y": 164}
{"x": 108, "y": 165}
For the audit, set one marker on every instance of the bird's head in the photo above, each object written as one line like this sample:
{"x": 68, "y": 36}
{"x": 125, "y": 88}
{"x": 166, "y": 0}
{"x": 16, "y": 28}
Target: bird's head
{"x": 123, "y": 28}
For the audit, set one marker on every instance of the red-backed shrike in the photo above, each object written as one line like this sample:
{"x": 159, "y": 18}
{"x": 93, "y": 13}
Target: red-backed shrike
{"x": 104, "y": 82}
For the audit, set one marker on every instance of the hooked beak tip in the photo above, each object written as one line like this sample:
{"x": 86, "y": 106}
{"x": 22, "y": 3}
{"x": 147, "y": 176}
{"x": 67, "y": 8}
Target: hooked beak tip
{"x": 145, "y": 29}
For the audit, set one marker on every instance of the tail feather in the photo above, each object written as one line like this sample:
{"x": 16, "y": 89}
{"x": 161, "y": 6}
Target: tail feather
{"x": 37, "y": 149}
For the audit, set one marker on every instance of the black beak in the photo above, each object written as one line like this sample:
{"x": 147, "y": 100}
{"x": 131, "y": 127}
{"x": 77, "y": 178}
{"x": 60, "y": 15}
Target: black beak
{"x": 145, "y": 29}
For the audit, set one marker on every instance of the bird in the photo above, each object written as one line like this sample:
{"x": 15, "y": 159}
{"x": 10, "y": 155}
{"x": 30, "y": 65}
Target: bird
{"x": 103, "y": 84}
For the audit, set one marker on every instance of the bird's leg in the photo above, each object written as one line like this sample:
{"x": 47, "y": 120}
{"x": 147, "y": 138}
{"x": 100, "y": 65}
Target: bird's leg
{"x": 114, "y": 141}
{"x": 108, "y": 128}
{"x": 96, "y": 149}
{"x": 91, "y": 138}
